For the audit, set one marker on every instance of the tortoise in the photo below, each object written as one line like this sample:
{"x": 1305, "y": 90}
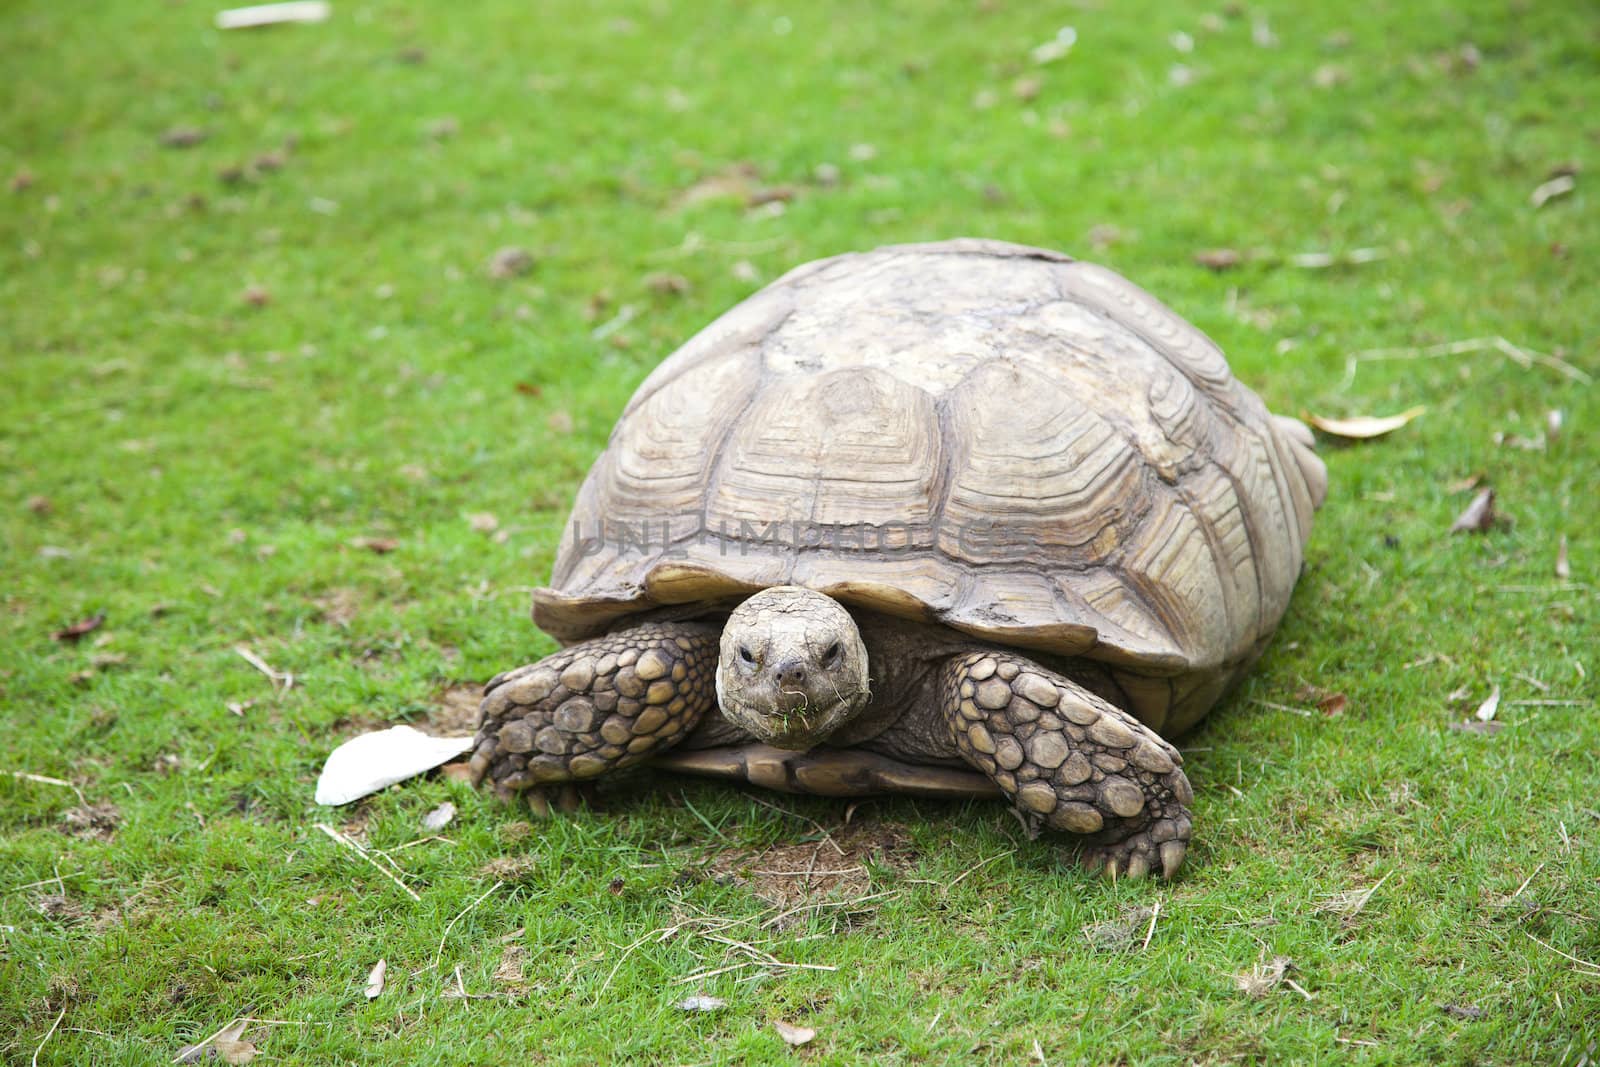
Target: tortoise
{"x": 960, "y": 519}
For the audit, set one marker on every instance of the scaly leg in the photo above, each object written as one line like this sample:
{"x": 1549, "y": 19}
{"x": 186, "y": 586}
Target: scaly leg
{"x": 593, "y": 708}
{"x": 1070, "y": 761}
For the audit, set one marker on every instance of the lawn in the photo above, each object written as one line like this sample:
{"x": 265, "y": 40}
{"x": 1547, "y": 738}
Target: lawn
{"x": 272, "y": 382}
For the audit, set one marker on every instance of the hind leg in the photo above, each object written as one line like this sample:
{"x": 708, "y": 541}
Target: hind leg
{"x": 1071, "y": 761}
{"x": 596, "y": 707}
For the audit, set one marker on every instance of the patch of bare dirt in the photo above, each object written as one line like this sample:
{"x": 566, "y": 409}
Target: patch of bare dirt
{"x": 92, "y": 822}
{"x": 835, "y": 865}
{"x": 455, "y": 711}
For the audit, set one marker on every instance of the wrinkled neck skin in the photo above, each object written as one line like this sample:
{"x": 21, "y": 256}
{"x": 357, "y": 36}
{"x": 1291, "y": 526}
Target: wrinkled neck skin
{"x": 792, "y": 668}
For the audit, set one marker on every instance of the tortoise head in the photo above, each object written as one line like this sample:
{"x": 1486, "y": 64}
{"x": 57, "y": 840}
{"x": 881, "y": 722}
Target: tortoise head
{"x": 792, "y": 669}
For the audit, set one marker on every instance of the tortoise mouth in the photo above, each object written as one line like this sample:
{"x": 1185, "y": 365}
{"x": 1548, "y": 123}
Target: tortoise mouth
{"x": 797, "y": 729}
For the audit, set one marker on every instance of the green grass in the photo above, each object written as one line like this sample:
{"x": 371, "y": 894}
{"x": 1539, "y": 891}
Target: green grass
{"x": 208, "y": 463}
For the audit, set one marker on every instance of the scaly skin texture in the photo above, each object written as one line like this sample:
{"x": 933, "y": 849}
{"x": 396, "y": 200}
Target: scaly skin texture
{"x": 1071, "y": 761}
{"x": 1067, "y": 759}
{"x": 595, "y": 707}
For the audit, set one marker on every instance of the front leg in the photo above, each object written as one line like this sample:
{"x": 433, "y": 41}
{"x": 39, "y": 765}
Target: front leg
{"x": 596, "y": 707}
{"x": 1070, "y": 761}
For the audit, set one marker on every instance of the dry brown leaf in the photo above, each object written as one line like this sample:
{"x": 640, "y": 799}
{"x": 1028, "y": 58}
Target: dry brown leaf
{"x": 509, "y": 262}
{"x": 183, "y": 137}
{"x": 256, "y": 296}
{"x": 1464, "y": 485}
{"x": 1329, "y": 75}
{"x": 375, "y": 979}
{"x": 380, "y": 545}
{"x": 484, "y": 521}
{"x": 459, "y": 772}
{"x": 733, "y": 182}
{"x": 511, "y": 869}
{"x": 230, "y": 1039}
{"x": 235, "y": 1052}
{"x": 559, "y": 422}
{"x": 771, "y": 194}
{"x": 792, "y": 1035}
{"x": 1563, "y": 568}
{"x": 667, "y": 284}
{"x": 1478, "y": 516}
{"x": 1362, "y": 427}
{"x": 513, "y": 958}
{"x": 1218, "y": 259}
{"x": 1263, "y": 978}
{"x": 1333, "y": 704}
{"x": 1462, "y": 1011}
{"x": 40, "y": 505}
{"x": 76, "y": 631}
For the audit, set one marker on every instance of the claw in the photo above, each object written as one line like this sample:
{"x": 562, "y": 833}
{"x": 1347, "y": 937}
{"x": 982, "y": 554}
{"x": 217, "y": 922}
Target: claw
{"x": 1138, "y": 865}
{"x": 567, "y": 798}
{"x": 1172, "y": 853}
{"x": 478, "y": 765}
{"x": 538, "y": 803}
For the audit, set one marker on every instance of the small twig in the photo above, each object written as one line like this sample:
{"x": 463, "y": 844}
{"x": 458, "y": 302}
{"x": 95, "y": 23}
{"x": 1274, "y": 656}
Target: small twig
{"x": 198, "y": 1046}
{"x": 45, "y": 780}
{"x": 701, "y": 975}
{"x": 1592, "y": 969}
{"x": 277, "y": 678}
{"x": 47, "y": 1036}
{"x": 1526, "y": 880}
{"x": 1155, "y": 910}
{"x": 1298, "y": 988}
{"x": 819, "y": 905}
{"x": 1547, "y": 703}
{"x": 56, "y": 879}
{"x": 977, "y": 867}
{"x": 1522, "y": 357}
{"x": 358, "y": 850}
{"x": 624, "y": 315}
{"x": 1285, "y": 707}
{"x": 803, "y": 818}
{"x": 704, "y": 821}
{"x": 934, "y": 1023}
{"x": 437, "y": 956}
{"x": 624, "y": 958}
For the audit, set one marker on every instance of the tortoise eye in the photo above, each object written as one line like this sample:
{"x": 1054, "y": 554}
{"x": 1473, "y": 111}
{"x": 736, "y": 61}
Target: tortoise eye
{"x": 744, "y": 654}
{"x": 832, "y": 653}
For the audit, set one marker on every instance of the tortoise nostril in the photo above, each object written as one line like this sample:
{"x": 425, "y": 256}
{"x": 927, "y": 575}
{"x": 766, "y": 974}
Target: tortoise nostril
{"x": 791, "y": 673}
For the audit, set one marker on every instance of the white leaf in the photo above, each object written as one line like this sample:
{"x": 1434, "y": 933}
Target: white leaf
{"x": 793, "y": 1035}
{"x": 375, "y": 979}
{"x": 1560, "y": 185}
{"x": 1364, "y": 426}
{"x": 439, "y": 817}
{"x": 241, "y": 18}
{"x": 367, "y": 763}
{"x": 1487, "y": 709}
{"x": 701, "y": 1002}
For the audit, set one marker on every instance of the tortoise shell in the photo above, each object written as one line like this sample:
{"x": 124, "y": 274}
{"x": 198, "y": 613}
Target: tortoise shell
{"x": 998, "y": 439}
